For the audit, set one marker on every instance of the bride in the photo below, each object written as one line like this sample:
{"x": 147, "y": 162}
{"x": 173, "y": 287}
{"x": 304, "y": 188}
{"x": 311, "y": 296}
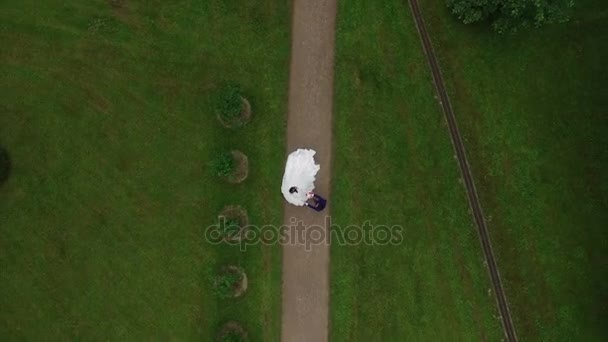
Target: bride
{"x": 299, "y": 177}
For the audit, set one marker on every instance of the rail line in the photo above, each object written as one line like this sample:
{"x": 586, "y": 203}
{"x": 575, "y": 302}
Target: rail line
{"x": 484, "y": 236}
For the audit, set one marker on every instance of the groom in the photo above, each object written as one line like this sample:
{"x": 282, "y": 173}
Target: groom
{"x": 318, "y": 202}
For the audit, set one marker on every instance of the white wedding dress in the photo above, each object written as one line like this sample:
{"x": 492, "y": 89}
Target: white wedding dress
{"x": 300, "y": 171}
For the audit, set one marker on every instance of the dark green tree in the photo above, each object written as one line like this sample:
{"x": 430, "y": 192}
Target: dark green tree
{"x": 511, "y": 15}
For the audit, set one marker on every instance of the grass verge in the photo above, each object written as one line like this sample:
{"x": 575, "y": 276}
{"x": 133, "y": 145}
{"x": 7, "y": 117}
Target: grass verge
{"x": 394, "y": 166}
{"x": 107, "y": 113}
{"x": 532, "y": 109}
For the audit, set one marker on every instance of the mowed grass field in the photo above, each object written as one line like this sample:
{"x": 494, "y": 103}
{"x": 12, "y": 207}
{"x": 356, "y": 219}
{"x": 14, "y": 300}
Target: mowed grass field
{"x": 394, "y": 165}
{"x": 107, "y": 112}
{"x": 532, "y": 108}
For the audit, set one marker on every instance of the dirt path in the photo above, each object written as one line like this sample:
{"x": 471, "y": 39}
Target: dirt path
{"x": 306, "y": 273}
{"x": 463, "y": 163}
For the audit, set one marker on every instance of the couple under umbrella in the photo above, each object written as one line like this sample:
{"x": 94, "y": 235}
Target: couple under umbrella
{"x": 299, "y": 180}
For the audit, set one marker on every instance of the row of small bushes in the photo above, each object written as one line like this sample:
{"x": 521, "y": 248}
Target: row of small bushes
{"x": 232, "y": 110}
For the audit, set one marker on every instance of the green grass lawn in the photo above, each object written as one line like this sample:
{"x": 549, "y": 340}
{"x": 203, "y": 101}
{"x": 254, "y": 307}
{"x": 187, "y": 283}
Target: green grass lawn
{"x": 394, "y": 165}
{"x": 532, "y": 108}
{"x": 106, "y": 109}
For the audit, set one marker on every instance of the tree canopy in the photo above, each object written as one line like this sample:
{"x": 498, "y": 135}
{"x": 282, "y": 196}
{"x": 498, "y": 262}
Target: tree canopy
{"x": 510, "y": 15}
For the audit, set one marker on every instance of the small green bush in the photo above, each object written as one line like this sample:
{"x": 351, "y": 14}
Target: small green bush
{"x": 226, "y": 282}
{"x": 230, "y": 102}
{"x": 5, "y": 165}
{"x": 231, "y": 227}
{"x": 223, "y": 165}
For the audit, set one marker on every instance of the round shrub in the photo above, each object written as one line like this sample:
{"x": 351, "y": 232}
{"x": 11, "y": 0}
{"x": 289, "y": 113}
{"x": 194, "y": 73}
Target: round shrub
{"x": 5, "y": 165}
{"x": 233, "y": 166}
{"x": 232, "y": 332}
{"x": 230, "y": 282}
{"x": 223, "y": 165}
{"x": 232, "y": 336}
{"x": 232, "y": 108}
{"x": 230, "y": 102}
{"x": 233, "y": 221}
{"x": 232, "y": 227}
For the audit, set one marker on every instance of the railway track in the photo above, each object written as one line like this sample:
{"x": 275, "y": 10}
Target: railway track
{"x": 484, "y": 236}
